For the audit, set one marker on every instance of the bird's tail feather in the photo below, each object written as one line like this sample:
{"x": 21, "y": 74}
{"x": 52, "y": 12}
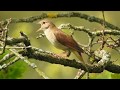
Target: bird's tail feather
{"x": 79, "y": 56}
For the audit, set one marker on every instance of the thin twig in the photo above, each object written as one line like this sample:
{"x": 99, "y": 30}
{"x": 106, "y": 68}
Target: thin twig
{"x": 5, "y": 30}
{"x": 103, "y": 33}
{"x": 15, "y": 47}
{"x": 67, "y": 14}
{"x": 10, "y": 63}
{"x": 80, "y": 74}
{"x": 29, "y": 63}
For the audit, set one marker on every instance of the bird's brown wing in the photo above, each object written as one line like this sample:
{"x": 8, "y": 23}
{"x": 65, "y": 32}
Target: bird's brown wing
{"x": 67, "y": 40}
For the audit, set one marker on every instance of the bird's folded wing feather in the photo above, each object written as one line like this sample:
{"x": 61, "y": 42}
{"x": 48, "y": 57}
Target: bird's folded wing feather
{"x": 67, "y": 40}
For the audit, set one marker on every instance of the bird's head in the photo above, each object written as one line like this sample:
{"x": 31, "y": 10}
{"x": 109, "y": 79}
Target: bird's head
{"x": 45, "y": 24}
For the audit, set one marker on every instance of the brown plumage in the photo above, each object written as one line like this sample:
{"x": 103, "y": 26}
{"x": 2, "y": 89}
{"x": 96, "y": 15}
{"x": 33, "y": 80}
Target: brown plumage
{"x": 67, "y": 40}
{"x": 59, "y": 39}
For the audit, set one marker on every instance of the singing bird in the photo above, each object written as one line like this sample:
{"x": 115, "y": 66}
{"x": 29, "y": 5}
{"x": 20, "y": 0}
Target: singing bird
{"x": 60, "y": 40}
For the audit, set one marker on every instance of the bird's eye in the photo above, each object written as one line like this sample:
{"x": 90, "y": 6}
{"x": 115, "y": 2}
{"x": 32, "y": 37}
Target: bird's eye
{"x": 43, "y": 22}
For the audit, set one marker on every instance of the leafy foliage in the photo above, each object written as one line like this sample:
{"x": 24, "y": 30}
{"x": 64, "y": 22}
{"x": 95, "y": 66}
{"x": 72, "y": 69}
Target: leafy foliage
{"x": 14, "y": 71}
{"x": 115, "y": 76}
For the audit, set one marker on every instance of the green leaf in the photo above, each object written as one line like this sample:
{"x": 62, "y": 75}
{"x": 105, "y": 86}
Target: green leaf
{"x": 14, "y": 71}
{"x": 115, "y": 76}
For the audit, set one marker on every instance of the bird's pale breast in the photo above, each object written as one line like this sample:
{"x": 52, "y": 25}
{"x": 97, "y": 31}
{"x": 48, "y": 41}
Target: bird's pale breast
{"x": 51, "y": 37}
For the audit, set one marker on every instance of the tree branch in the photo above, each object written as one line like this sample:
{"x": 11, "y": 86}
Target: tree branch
{"x": 86, "y": 30}
{"x": 101, "y": 57}
{"x": 54, "y": 59}
{"x": 8, "y": 64}
{"x": 33, "y": 65}
{"x": 47, "y": 56}
{"x": 67, "y": 14}
{"x": 41, "y": 55}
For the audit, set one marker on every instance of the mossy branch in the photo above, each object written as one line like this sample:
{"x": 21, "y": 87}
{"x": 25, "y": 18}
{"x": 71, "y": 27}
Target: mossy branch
{"x": 67, "y": 14}
{"x": 39, "y": 54}
{"x": 33, "y": 65}
{"x": 101, "y": 57}
{"x": 88, "y": 31}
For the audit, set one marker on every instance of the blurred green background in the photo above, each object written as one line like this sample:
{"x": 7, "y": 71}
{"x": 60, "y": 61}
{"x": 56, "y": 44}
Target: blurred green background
{"x": 55, "y": 71}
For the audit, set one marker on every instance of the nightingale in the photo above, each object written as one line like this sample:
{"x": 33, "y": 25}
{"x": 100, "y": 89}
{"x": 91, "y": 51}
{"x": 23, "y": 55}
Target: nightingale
{"x": 60, "y": 39}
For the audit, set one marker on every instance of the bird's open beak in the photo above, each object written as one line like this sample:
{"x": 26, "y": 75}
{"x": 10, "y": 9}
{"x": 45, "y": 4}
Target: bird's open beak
{"x": 39, "y": 30}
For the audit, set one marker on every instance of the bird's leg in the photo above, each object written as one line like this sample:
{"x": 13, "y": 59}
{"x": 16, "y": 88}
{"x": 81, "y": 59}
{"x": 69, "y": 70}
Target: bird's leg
{"x": 65, "y": 54}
